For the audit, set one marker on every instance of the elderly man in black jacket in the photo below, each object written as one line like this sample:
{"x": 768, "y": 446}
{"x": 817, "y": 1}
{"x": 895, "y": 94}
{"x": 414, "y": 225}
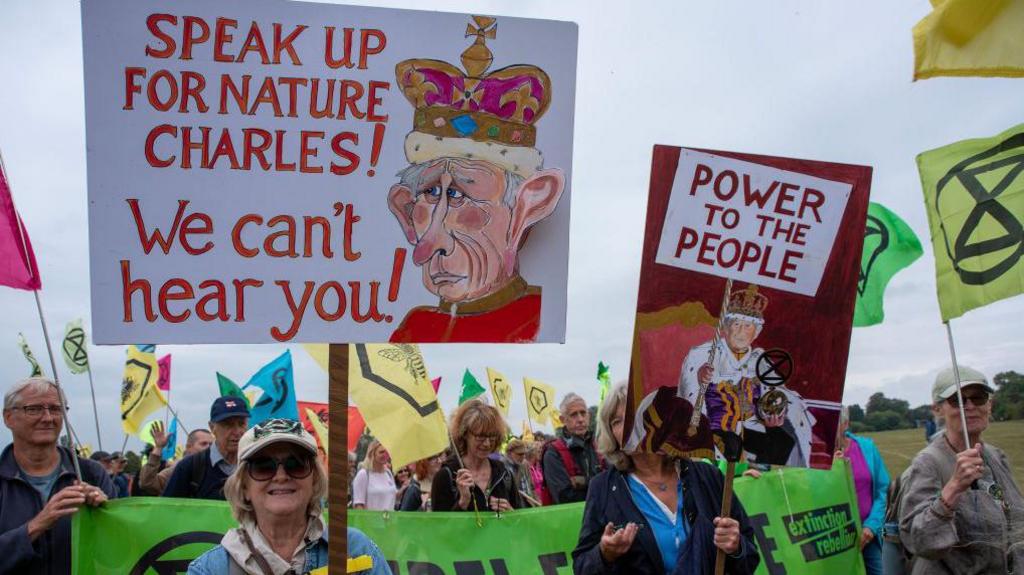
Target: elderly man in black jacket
{"x": 39, "y": 491}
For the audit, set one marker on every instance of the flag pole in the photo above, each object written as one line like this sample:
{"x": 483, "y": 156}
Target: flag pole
{"x": 175, "y": 414}
{"x": 337, "y": 432}
{"x": 95, "y": 412}
{"x": 56, "y": 381}
{"x": 956, "y": 376}
{"x": 42, "y": 320}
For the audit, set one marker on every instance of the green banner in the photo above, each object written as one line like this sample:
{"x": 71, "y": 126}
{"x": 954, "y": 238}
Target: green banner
{"x": 146, "y": 535}
{"x": 974, "y": 197}
{"x": 889, "y": 246}
{"x": 522, "y": 542}
{"x": 806, "y": 521}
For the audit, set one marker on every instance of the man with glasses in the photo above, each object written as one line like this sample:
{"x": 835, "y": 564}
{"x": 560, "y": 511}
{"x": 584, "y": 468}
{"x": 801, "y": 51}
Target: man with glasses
{"x": 202, "y": 475}
{"x": 39, "y": 490}
{"x": 961, "y": 510}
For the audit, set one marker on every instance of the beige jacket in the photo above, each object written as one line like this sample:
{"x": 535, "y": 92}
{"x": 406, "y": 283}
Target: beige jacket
{"x": 980, "y": 536}
{"x": 152, "y": 479}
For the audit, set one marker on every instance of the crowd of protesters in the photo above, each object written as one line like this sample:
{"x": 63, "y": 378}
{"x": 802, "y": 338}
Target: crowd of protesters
{"x": 956, "y": 509}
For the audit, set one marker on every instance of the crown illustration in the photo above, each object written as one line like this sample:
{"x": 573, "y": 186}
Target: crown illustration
{"x": 747, "y": 303}
{"x": 475, "y": 114}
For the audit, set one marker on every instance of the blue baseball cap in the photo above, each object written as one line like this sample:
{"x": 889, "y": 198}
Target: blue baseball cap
{"x": 228, "y": 406}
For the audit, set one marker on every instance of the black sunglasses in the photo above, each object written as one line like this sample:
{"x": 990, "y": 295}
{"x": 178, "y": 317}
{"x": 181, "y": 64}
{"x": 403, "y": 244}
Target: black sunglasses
{"x": 265, "y": 468}
{"x": 978, "y": 400}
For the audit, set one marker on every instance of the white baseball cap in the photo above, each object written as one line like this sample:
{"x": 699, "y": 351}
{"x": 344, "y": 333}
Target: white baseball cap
{"x": 945, "y": 382}
{"x": 274, "y": 431}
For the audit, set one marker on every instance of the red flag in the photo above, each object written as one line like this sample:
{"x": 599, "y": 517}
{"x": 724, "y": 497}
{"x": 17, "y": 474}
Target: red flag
{"x": 436, "y": 382}
{"x": 17, "y": 262}
{"x": 320, "y": 409}
{"x": 164, "y": 380}
{"x": 356, "y": 425}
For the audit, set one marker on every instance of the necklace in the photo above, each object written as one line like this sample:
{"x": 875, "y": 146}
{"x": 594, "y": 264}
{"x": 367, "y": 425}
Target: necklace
{"x": 661, "y": 485}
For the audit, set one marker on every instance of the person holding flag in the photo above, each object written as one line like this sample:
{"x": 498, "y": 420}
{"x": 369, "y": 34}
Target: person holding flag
{"x": 39, "y": 488}
{"x": 961, "y": 511}
{"x": 202, "y": 475}
{"x": 470, "y": 480}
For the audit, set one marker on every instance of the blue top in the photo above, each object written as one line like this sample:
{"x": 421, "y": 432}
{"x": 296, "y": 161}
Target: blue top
{"x": 669, "y": 536}
{"x": 879, "y": 485}
{"x": 42, "y": 483}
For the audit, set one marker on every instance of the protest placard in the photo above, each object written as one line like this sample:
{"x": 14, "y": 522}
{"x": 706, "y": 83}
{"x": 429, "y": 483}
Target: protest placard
{"x": 760, "y": 355}
{"x": 287, "y": 171}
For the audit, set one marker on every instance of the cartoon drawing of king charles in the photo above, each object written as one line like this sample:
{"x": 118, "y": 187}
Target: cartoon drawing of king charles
{"x": 719, "y": 379}
{"x": 474, "y": 187}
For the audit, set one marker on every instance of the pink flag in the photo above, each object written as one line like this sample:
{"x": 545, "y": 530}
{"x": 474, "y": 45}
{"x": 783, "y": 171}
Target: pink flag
{"x": 164, "y": 381}
{"x": 17, "y": 263}
{"x": 436, "y": 382}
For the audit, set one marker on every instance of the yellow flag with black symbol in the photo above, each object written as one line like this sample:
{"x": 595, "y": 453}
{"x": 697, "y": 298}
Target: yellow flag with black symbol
{"x": 140, "y": 395}
{"x": 974, "y": 197}
{"x": 391, "y": 386}
{"x": 540, "y": 400}
{"x": 29, "y": 357}
{"x": 501, "y": 389}
{"x": 970, "y": 38}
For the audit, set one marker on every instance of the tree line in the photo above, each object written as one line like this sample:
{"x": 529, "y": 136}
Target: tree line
{"x": 884, "y": 413}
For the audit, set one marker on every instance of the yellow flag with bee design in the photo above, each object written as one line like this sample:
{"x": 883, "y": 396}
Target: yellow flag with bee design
{"x": 391, "y": 386}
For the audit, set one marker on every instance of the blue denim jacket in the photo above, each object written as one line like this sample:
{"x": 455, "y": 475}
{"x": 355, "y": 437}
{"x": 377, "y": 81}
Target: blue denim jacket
{"x": 216, "y": 561}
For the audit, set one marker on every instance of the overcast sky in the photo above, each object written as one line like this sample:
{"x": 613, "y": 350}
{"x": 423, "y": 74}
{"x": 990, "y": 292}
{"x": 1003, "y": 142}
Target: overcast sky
{"x": 807, "y": 79}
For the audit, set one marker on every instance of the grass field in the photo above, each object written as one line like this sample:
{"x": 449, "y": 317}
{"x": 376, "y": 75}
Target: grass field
{"x": 899, "y": 447}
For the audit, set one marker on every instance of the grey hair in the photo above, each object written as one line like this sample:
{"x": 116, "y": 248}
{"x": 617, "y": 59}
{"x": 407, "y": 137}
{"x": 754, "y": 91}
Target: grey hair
{"x": 36, "y": 384}
{"x": 412, "y": 177}
{"x": 606, "y": 443}
{"x": 241, "y": 507}
{"x": 569, "y": 399}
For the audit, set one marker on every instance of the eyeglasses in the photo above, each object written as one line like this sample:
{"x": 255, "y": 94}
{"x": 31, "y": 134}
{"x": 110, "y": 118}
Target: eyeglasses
{"x": 37, "y": 410}
{"x": 492, "y": 437}
{"x": 265, "y": 468}
{"x": 979, "y": 400}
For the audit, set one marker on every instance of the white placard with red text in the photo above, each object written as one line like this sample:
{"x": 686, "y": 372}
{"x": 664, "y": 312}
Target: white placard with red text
{"x": 223, "y": 208}
{"x": 750, "y": 222}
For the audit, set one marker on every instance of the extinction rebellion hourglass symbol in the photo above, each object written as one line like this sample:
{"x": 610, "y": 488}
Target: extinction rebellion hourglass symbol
{"x": 977, "y": 263}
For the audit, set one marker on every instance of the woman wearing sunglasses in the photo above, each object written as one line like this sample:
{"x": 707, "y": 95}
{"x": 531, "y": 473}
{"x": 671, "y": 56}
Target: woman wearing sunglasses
{"x": 472, "y": 480}
{"x": 276, "y": 495}
{"x": 961, "y": 511}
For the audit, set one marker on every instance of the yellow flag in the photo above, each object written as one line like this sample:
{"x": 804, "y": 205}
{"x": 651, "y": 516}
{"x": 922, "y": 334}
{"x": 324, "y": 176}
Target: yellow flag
{"x": 527, "y": 434}
{"x": 84, "y": 451}
{"x": 556, "y": 419}
{"x": 390, "y": 384}
{"x": 501, "y": 390}
{"x": 139, "y": 394}
{"x": 318, "y": 427}
{"x": 970, "y": 38}
{"x": 540, "y": 400}
{"x": 179, "y": 452}
{"x": 320, "y": 352}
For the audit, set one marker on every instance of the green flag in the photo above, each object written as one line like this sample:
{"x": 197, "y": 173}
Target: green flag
{"x": 470, "y": 388}
{"x": 231, "y": 389}
{"x": 74, "y": 348}
{"x": 605, "y": 379}
{"x": 974, "y": 197}
{"x": 36, "y": 370}
{"x": 889, "y": 246}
